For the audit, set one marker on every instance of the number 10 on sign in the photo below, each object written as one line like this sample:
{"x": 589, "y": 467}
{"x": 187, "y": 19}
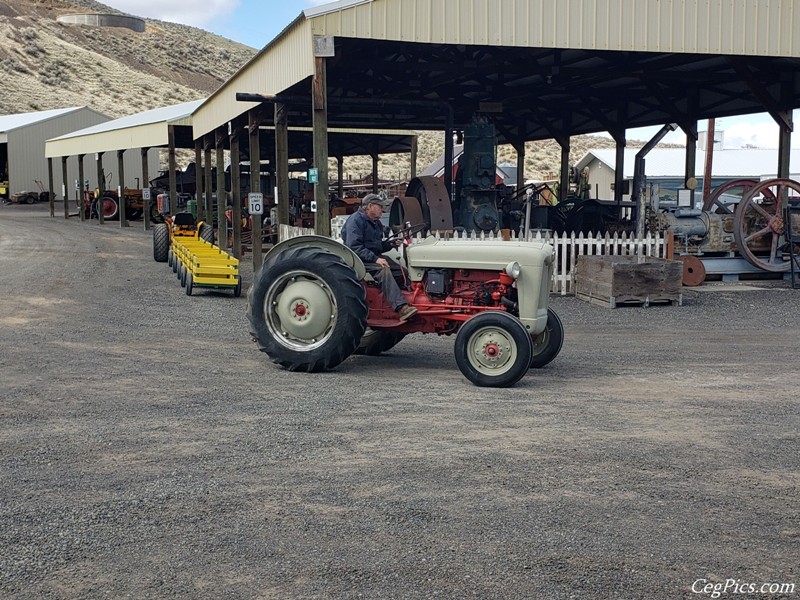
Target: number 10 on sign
{"x": 256, "y": 203}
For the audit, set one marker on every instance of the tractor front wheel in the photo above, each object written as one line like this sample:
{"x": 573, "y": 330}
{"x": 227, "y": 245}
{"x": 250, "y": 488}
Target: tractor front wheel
{"x": 493, "y": 349}
{"x": 547, "y": 344}
{"x": 307, "y": 309}
{"x": 161, "y": 242}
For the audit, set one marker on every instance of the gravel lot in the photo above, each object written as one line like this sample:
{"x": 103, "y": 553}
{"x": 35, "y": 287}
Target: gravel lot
{"x": 148, "y": 450}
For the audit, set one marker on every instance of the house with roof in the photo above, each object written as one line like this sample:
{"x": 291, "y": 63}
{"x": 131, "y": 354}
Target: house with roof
{"x": 665, "y": 169}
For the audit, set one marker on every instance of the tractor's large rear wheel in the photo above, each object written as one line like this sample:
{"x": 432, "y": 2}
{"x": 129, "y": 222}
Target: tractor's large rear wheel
{"x": 493, "y": 349}
{"x": 378, "y": 341}
{"x": 547, "y": 344}
{"x": 160, "y": 242}
{"x": 307, "y": 309}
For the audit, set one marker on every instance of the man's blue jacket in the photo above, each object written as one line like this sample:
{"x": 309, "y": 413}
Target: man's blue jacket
{"x": 364, "y": 236}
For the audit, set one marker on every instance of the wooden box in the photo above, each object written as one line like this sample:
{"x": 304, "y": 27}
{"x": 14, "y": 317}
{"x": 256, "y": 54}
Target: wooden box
{"x": 613, "y": 280}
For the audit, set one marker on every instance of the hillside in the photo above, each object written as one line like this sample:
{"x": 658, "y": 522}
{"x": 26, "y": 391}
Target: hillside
{"x": 47, "y": 64}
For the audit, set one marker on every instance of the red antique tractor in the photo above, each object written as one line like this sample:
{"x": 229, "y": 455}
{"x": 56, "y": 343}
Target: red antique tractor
{"x": 312, "y": 305}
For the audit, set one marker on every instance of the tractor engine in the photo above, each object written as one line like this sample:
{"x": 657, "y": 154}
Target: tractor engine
{"x": 478, "y": 195}
{"x": 699, "y": 232}
{"x": 470, "y": 288}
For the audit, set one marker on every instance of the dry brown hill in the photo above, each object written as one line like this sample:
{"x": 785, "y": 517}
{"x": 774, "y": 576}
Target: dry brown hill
{"x": 47, "y": 64}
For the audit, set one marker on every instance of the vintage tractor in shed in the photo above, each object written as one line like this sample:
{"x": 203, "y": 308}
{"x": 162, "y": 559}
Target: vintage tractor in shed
{"x": 181, "y": 225}
{"x": 108, "y": 201}
{"x": 312, "y": 305}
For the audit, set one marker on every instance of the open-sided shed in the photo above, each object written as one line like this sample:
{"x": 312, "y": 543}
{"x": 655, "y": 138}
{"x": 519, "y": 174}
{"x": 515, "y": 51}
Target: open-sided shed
{"x": 541, "y": 68}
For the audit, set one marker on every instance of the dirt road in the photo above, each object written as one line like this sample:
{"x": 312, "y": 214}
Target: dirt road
{"x": 148, "y": 450}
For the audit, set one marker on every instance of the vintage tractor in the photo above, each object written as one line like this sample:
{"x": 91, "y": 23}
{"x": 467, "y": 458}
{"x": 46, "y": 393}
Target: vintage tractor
{"x": 312, "y": 305}
{"x": 181, "y": 225}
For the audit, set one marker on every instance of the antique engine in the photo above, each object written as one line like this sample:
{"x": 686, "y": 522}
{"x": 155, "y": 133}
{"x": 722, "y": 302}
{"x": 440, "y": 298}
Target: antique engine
{"x": 478, "y": 196}
{"x": 699, "y": 232}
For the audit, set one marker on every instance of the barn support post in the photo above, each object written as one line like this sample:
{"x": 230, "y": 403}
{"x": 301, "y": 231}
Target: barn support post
{"x": 619, "y": 167}
{"x": 254, "y": 135}
{"x": 209, "y": 185}
{"x": 282, "y": 162}
{"x": 448, "y": 155}
{"x": 146, "y": 204}
{"x": 65, "y": 186}
{"x": 123, "y": 217}
{"x": 199, "y": 180}
{"x": 414, "y": 152}
{"x": 236, "y": 191}
{"x": 375, "y": 160}
{"x": 521, "y": 166}
{"x": 322, "y": 221}
{"x": 81, "y": 212}
{"x": 690, "y": 171}
{"x": 173, "y": 184}
{"x": 101, "y": 185}
{"x": 222, "y": 197}
{"x": 340, "y": 176}
{"x": 707, "y": 172}
{"x": 50, "y": 187}
{"x": 784, "y": 144}
{"x": 563, "y": 186}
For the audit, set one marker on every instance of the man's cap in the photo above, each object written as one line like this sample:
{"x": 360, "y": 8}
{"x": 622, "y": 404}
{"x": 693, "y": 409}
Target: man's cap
{"x": 374, "y": 199}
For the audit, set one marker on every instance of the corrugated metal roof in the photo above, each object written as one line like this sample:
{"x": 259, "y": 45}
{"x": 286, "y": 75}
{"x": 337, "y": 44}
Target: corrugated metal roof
{"x": 11, "y": 122}
{"x": 147, "y": 129}
{"x": 330, "y": 7}
{"x": 671, "y": 162}
{"x": 710, "y": 27}
{"x": 165, "y": 114}
{"x": 739, "y": 27}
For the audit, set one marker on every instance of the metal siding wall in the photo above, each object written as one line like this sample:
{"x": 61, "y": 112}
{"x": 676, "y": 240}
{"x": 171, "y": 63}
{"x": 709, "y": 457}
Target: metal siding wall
{"x": 750, "y": 27}
{"x": 26, "y": 156}
{"x": 289, "y": 61}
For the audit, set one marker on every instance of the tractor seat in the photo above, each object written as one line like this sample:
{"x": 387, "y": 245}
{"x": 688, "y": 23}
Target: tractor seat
{"x": 184, "y": 220}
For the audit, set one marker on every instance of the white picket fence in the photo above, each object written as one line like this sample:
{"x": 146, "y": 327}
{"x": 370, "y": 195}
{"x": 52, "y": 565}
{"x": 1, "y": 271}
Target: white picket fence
{"x": 568, "y": 248}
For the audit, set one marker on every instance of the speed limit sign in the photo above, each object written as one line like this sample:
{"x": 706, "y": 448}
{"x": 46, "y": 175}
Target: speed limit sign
{"x": 256, "y": 203}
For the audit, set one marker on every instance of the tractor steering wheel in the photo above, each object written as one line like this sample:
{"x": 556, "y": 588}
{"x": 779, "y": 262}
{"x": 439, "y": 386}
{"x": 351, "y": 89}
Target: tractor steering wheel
{"x": 407, "y": 232}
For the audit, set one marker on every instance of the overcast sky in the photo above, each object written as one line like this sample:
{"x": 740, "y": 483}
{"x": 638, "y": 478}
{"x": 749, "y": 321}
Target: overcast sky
{"x": 251, "y": 22}
{"x": 257, "y": 22}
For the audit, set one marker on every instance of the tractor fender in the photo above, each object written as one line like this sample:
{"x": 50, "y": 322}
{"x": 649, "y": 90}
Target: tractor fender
{"x": 349, "y": 257}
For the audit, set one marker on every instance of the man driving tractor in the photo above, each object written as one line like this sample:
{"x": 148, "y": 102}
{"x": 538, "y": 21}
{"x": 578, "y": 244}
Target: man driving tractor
{"x": 363, "y": 233}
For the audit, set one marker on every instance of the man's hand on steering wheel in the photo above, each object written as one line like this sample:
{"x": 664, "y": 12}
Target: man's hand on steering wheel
{"x": 406, "y": 233}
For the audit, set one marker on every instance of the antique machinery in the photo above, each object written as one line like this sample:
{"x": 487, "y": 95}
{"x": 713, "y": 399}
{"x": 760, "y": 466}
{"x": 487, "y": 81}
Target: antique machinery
{"x": 477, "y": 195}
{"x": 748, "y": 224}
{"x": 478, "y": 199}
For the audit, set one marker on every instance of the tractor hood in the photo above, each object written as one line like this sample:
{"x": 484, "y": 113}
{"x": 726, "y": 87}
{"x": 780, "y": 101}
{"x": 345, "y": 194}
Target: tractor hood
{"x": 432, "y": 253}
{"x": 534, "y": 258}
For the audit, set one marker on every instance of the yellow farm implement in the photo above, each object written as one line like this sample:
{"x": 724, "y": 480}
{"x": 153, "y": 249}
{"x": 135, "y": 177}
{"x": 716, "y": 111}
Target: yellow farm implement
{"x": 199, "y": 263}
{"x": 188, "y": 248}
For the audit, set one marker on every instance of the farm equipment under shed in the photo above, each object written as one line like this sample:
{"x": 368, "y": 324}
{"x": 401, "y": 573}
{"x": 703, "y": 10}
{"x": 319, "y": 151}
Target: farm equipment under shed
{"x": 754, "y": 228}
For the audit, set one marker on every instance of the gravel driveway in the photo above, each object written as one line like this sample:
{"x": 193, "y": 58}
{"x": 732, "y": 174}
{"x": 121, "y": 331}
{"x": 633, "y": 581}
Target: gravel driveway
{"x": 148, "y": 450}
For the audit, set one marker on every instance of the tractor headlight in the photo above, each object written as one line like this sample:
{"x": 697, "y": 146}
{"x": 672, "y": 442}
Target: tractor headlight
{"x": 513, "y": 269}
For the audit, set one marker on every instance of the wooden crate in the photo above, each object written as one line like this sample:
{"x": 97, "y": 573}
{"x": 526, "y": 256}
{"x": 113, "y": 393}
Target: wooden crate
{"x": 614, "y": 280}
